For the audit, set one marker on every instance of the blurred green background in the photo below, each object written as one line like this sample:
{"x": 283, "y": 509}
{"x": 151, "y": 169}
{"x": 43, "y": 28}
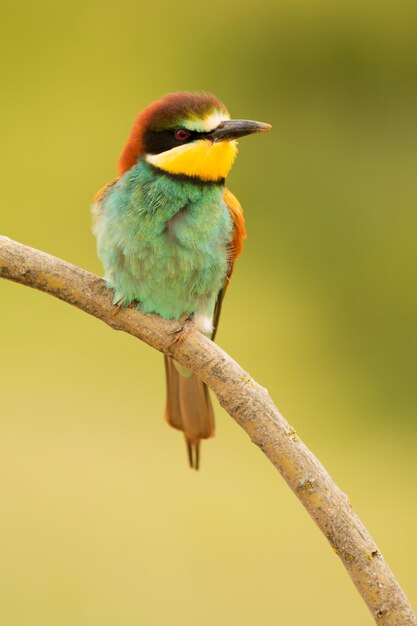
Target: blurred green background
{"x": 101, "y": 522}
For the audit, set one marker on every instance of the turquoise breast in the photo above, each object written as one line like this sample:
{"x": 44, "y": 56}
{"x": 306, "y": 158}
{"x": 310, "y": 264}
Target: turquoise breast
{"x": 163, "y": 242}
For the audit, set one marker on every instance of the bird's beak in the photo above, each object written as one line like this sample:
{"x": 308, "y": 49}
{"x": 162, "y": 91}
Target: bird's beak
{"x": 233, "y": 129}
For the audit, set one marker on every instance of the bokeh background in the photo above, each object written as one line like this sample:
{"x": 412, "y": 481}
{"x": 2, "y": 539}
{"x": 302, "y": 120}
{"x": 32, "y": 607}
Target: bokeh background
{"x": 101, "y": 521}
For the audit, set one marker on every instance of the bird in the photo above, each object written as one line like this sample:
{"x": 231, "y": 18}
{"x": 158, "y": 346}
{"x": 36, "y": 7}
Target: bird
{"x": 169, "y": 232}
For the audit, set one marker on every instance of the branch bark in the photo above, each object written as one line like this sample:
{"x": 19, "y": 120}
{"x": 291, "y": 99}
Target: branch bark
{"x": 248, "y": 403}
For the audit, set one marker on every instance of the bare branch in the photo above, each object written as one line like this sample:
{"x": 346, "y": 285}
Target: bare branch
{"x": 248, "y": 403}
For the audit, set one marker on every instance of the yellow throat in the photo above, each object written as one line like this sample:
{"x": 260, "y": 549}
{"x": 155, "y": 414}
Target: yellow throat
{"x": 203, "y": 159}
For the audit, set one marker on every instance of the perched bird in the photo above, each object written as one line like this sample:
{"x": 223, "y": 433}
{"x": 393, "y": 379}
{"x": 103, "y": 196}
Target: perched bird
{"x": 168, "y": 231}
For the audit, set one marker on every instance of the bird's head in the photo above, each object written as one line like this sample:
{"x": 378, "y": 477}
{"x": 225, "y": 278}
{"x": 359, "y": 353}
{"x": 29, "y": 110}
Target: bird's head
{"x": 189, "y": 134}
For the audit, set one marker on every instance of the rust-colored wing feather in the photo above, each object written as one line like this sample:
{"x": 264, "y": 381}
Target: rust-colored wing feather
{"x": 96, "y": 208}
{"x": 100, "y": 194}
{"x": 234, "y": 249}
{"x": 239, "y": 232}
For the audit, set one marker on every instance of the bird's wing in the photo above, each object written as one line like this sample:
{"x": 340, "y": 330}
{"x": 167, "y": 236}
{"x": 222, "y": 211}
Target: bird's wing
{"x": 234, "y": 249}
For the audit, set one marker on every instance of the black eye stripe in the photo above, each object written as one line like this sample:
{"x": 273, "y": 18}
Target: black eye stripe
{"x": 157, "y": 141}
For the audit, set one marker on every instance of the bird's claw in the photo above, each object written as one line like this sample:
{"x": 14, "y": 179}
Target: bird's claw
{"x": 183, "y": 330}
{"x": 116, "y": 309}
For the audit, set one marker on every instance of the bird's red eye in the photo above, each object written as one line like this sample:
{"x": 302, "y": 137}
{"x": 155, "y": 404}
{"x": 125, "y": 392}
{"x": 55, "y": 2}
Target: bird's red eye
{"x": 181, "y": 134}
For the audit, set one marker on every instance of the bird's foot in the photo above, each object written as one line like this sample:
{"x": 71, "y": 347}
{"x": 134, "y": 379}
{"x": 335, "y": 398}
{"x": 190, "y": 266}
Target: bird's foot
{"x": 183, "y": 330}
{"x": 116, "y": 310}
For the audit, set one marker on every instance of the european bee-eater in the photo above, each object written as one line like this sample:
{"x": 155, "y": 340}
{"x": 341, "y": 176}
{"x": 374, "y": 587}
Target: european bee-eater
{"x": 169, "y": 232}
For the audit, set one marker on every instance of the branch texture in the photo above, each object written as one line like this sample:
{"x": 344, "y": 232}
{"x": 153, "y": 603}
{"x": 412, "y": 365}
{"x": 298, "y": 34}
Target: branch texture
{"x": 248, "y": 403}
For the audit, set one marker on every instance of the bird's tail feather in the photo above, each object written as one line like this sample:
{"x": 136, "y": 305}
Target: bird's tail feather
{"x": 188, "y": 408}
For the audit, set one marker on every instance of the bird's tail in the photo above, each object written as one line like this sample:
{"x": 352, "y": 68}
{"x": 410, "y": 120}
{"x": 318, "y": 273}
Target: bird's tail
{"x": 188, "y": 408}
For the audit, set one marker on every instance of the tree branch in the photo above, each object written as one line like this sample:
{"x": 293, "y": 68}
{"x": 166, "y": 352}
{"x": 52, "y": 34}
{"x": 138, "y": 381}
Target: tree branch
{"x": 248, "y": 403}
